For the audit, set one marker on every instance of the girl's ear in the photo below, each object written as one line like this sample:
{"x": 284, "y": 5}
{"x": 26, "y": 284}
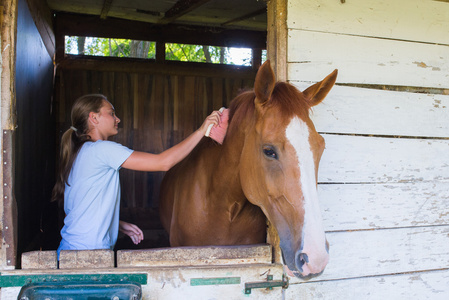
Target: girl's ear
{"x": 93, "y": 117}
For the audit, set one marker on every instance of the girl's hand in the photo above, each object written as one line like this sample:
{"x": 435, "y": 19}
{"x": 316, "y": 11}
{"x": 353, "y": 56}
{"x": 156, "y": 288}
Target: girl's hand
{"x": 132, "y": 231}
{"x": 213, "y": 118}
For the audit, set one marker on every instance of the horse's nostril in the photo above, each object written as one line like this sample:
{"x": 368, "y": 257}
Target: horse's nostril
{"x": 302, "y": 259}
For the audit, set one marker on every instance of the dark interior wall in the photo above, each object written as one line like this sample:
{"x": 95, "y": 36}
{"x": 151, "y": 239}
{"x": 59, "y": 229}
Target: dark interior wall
{"x": 157, "y": 110}
{"x": 34, "y": 135}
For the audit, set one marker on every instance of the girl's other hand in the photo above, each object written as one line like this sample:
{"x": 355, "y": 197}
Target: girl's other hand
{"x": 131, "y": 230}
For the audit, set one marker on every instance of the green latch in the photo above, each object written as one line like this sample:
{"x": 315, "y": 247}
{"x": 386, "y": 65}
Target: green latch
{"x": 269, "y": 284}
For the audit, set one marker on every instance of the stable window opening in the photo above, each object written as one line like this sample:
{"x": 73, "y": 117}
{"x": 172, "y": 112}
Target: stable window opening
{"x": 112, "y": 47}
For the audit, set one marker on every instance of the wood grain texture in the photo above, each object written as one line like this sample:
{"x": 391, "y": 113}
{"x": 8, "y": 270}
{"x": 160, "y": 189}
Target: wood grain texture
{"x": 383, "y": 206}
{"x": 409, "y": 20}
{"x": 432, "y": 285}
{"x": 312, "y": 55}
{"x": 157, "y": 110}
{"x": 354, "y": 110}
{"x": 355, "y": 254}
{"x": 363, "y": 159}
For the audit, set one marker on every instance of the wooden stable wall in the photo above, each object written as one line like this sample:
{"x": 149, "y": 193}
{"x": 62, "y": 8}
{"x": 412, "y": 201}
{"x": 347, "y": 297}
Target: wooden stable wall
{"x": 384, "y": 176}
{"x": 158, "y": 106}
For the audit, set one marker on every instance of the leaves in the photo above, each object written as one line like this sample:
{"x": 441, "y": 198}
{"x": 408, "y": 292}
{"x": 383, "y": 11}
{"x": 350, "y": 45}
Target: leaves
{"x": 145, "y": 49}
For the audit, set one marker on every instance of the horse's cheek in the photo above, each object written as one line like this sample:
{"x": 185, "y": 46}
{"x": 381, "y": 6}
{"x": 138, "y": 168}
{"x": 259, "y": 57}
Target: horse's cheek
{"x": 250, "y": 178}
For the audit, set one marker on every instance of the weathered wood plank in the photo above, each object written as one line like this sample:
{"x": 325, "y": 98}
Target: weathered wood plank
{"x": 356, "y": 254}
{"x": 359, "y": 159}
{"x": 432, "y": 285}
{"x": 378, "y": 112}
{"x": 374, "y": 206}
{"x": 312, "y": 55}
{"x": 195, "y": 256}
{"x": 412, "y": 20}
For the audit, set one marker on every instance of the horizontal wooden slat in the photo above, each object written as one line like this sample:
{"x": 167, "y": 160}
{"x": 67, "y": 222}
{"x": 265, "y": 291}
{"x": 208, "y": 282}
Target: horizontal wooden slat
{"x": 312, "y": 55}
{"x": 195, "y": 256}
{"x": 379, "y": 112}
{"x": 413, "y": 20}
{"x": 360, "y": 159}
{"x": 431, "y": 285}
{"x": 356, "y": 254}
{"x": 373, "y": 206}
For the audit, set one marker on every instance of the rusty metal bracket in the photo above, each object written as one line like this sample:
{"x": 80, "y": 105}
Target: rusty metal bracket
{"x": 268, "y": 284}
{"x": 9, "y": 216}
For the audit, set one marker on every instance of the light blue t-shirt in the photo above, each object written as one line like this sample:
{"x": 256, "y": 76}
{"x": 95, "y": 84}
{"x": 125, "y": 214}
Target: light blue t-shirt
{"x": 92, "y": 198}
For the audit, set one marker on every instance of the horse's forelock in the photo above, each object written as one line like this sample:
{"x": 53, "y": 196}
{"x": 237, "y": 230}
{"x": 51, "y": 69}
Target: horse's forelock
{"x": 287, "y": 98}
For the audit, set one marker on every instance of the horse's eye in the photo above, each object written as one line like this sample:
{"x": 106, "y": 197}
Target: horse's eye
{"x": 270, "y": 152}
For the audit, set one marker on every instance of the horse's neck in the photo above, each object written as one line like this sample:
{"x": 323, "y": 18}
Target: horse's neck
{"x": 226, "y": 179}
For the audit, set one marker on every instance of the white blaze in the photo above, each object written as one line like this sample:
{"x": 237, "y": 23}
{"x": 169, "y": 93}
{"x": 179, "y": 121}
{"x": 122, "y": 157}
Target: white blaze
{"x": 314, "y": 240}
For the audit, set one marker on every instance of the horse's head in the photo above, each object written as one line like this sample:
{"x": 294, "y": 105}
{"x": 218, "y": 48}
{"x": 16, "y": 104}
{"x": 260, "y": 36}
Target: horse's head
{"x": 279, "y": 165}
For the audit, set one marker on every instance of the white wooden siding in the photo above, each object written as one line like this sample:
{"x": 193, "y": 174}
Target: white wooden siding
{"x": 351, "y": 159}
{"x": 378, "y": 112}
{"x": 425, "y": 21}
{"x": 367, "y": 60}
{"x": 430, "y": 285}
{"x": 376, "y": 206}
{"x": 384, "y": 176}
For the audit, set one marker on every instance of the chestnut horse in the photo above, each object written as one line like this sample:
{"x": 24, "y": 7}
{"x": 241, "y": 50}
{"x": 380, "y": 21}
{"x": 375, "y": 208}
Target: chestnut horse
{"x": 266, "y": 168}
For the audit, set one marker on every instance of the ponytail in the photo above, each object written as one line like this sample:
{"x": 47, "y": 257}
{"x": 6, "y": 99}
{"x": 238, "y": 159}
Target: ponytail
{"x": 73, "y": 139}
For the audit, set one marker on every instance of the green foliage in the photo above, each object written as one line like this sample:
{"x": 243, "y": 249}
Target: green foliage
{"x": 195, "y": 53}
{"x": 144, "y": 49}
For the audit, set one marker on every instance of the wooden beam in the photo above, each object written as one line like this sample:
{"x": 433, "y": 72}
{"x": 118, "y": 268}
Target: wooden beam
{"x": 181, "y": 8}
{"x": 277, "y": 54}
{"x": 8, "y": 205}
{"x": 44, "y": 23}
{"x": 256, "y": 58}
{"x": 85, "y": 25}
{"x": 277, "y": 37}
{"x": 160, "y": 51}
{"x": 247, "y": 16}
{"x": 120, "y": 64}
{"x": 106, "y": 7}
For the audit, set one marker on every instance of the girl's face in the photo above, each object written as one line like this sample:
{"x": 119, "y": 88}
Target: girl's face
{"x": 107, "y": 120}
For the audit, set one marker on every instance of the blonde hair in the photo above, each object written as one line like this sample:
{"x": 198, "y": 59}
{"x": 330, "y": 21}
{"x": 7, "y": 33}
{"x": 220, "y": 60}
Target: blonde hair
{"x": 74, "y": 137}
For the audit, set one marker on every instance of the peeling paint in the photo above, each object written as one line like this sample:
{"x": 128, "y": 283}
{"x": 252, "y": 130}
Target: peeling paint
{"x": 420, "y": 64}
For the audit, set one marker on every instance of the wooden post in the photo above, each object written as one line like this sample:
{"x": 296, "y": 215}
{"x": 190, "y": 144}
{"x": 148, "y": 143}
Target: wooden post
{"x": 277, "y": 54}
{"x": 257, "y": 58}
{"x": 8, "y": 210}
{"x": 160, "y": 51}
{"x": 277, "y": 37}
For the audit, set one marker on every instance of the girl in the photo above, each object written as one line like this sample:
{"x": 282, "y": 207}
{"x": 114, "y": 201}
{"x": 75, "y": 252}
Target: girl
{"x": 88, "y": 180}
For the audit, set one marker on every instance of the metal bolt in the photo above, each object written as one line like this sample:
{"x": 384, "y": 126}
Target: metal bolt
{"x": 24, "y": 298}
{"x": 115, "y": 298}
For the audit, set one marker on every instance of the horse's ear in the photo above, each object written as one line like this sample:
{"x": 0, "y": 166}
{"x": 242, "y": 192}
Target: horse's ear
{"x": 264, "y": 83}
{"x": 317, "y": 92}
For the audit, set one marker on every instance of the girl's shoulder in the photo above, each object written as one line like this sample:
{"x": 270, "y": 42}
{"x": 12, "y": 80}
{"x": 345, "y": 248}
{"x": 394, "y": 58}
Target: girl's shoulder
{"x": 109, "y": 147}
{"x": 103, "y": 147}
{"x": 108, "y": 152}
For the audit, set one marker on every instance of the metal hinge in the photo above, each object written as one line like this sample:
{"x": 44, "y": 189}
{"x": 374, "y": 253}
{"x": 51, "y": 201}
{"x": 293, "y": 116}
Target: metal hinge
{"x": 268, "y": 284}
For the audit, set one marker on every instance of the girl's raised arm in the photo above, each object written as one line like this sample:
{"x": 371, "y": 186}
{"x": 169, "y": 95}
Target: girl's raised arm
{"x": 143, "y": 161}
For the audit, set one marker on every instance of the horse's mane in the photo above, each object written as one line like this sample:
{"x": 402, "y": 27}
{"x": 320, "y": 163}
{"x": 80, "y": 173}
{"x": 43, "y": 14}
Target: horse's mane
{"x": 285, "y": 96}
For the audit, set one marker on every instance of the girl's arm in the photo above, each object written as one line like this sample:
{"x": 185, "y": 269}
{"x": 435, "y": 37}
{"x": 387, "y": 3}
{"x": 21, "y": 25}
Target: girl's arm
{"x": 143, "y": 161}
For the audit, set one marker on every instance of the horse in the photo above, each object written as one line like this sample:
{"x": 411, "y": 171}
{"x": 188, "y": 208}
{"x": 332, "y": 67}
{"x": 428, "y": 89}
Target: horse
{"x": 266, "y": 168}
